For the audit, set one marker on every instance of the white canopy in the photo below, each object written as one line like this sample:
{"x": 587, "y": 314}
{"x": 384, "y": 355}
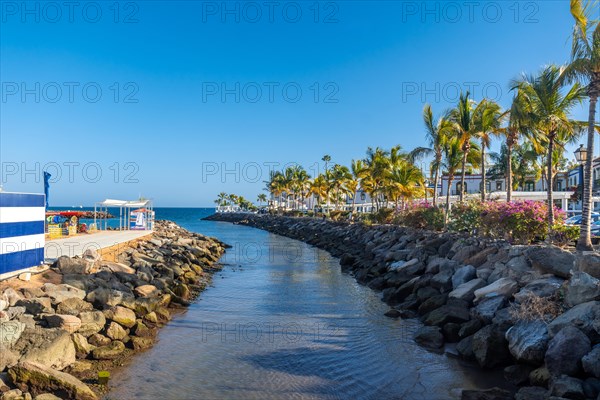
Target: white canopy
{"x": 124, "y": 203}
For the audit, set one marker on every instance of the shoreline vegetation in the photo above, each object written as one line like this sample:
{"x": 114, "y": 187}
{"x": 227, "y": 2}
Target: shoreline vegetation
{"x": 85, "y": 315}
{"x": 531, "y": 310}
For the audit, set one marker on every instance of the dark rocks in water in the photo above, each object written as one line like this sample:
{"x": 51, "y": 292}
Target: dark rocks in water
{"x": 450, "y": 331}
{"x": 447, "y": 313}
{"x": 392, "y": 313}
{"x": 432, "y": 303}
{"x": 465, "y": 348}
{"x": 469, "y": 328}
{"x": 490, "y": 347}
{"x": 487, "y": 394}
{"x": 429, "y": 337}
{"x": 565, "y": 351}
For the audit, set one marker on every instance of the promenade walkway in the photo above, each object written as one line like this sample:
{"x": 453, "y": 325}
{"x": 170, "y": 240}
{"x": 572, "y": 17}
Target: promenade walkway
{"x": 76, "y": 245}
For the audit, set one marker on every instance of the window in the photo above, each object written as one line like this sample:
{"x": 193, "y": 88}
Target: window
{"x": 529, "y": 186}
{"x": 363, "y": 196}
{"x": 498, "y": 185}
{"x": 558, "y": 185}
{"x": 458, "y": 188}
{"x": 488, "y": 186}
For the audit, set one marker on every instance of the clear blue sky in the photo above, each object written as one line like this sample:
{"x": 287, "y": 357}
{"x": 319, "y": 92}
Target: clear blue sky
{"x": 165, "y": 123}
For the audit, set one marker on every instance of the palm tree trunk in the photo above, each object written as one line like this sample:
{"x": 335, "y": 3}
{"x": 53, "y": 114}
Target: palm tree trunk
{"x": 509, "y": 145}
{"x": 447, "y": 210}
{"x": 462, "y": 177}
{"x": 550, "y": 186}
{"x": 585, "y": 241}
{"x": 482, "y": 171}
{"x": 436, "y": 178}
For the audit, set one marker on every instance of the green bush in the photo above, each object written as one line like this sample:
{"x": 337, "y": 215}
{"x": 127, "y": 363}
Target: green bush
{"x": 423, "y": 216}
{"x": 563, "y": 235}
{"x": 466, "y": 217}
{"x": 339, "y": 215}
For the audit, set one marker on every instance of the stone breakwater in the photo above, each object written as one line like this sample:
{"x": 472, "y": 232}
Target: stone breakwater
{"x": 531, "y": 310}
{"x": 85, "y": 314}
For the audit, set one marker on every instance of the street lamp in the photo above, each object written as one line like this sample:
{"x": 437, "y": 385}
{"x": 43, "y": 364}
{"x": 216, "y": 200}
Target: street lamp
{"x": 581, "y": 157}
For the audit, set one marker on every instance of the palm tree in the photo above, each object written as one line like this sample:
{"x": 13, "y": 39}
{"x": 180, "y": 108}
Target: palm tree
{"x": 377, "y": 169}
{"x": 585, "y": 68}
{"x": 487, "y": 119}
{"x": 261, "y": 198}
{"x": 327, "y": 158}
{"x": 358, "y": 170}
{"x": 462, "y": 118}
{"x": 549, "y": 107}
{"x": 221, "y": 199}
{"x": 319, "y": 187}
{"x": 339, "y": 176}
{"x": 436, "y": 135}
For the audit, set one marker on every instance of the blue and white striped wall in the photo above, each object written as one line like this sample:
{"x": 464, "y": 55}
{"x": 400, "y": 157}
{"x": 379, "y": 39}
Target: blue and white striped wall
{"x": 22, "y": 236}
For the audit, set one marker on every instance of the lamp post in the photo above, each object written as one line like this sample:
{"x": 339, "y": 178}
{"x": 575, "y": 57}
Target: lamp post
{"x": 581, "y": 157}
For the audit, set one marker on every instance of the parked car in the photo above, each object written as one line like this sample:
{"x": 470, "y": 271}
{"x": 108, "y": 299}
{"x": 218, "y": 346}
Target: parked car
{"x": 576, "y": 219}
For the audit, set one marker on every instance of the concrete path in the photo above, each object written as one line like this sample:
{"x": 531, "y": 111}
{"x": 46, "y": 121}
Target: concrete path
{"x": 76, "y": 245}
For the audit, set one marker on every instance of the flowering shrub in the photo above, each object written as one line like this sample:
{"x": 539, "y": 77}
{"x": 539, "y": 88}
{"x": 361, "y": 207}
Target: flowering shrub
{"x": 422, "y": 216}
{"x": 466, "y": 217}
{"x": 519, "y": 222}
{"x": 563, "y": 235}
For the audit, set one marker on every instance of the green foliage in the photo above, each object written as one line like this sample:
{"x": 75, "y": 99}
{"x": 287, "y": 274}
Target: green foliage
{"x": 466, "y": 217}
{"x": 339, "y": 215}
{"x": 563, "y": 235}
{"x": 422, "y": 217}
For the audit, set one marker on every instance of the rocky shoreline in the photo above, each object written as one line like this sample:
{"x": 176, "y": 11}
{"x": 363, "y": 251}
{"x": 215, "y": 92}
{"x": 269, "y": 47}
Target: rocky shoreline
{"x": 86, "y": 315}
{"x": 531, "y": 310}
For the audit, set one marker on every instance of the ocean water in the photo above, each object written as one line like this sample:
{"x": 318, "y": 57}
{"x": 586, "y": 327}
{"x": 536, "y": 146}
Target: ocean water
{"x": 281, "y": 321}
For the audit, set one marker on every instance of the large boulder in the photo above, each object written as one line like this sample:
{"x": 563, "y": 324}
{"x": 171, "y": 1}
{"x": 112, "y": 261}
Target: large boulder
{"x": 69, "y": 323}
{"x": 121, "y": 315}
{"x": 448, "y": 313}
{"x": 62, "y": 292}
{"x": 551, "y": 260}
{"x": 109, "y": 352}
{"x": 487, "y": 308}
{"x": 565, "y": 351}
{"x": 581, "y": 288}
{"x": 36, "y": 305}
{"x": 543, "y": 287}
{"x": 91, "y": 322}
{"x": 466, "y": 291}
{"x": 588, "y": 262}
{"x": 462, "y": 275}
{"x": 38, "y": 379}
{"x": 49, "y": 347}
{"x": 584, "y": 316}
{"x": 430, "y": 337}
{"x": 411, "y": 267}
{"x": 567, "y": 387}
{"x": 103, "y": 297}
{"x": 68, "y": 265}
{"x": 73, "y": 306}
{"x": 502, "y": 287}
{"x": 490, "y": 347}
{"x": 82, "y": 346}
{"x": 115, "y": 331}
{"x": 531, "y": 393}
{"x": 528, "y": 341}
{"x": 591, "y": 362}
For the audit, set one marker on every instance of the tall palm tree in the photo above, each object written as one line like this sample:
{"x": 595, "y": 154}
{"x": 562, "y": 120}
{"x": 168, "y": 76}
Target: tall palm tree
{"x": 319, "y": 187}
{"x": 377, "y": 164}
{"x": 462, "y": 118}
{"x": 358, "y": 171}
{"x": 488, "y": 120}
{"x": 585, "y": 68}
{"x": 436, "y": 135}
{"x": 550, "y": 105}
{"x": 339, "y": 176}
{"x": 261, "y": 198}
{"x": 327, "y": 158}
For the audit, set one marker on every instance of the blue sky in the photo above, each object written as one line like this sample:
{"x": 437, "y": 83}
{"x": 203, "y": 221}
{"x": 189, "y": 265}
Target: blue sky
{"x": 178, "y": 101}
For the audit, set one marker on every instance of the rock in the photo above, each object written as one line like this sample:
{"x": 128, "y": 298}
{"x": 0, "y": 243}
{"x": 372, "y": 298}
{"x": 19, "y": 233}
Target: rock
{"x": 98, "y": 340}
{"x": 38, "y": 379}
{"x": 10, "y": 332}
{"x": 447, "y": 313}
{"x": 106, "y": 297}
{"x": 432, "y": 303}
{"x": 518, "y": 264}
{"x": 59, "y": 293}
{"x": 480, "y": 258}
{"x": 463, "y": 275}
{"x": 151, "y": 317}
{"x": 68, "y": 265}
{"x": 567, "y": 387}
{"x": 49, "y": 347}
{"x": 73, "y": 306}
{"x": 82, "y": 346}
{"x": 15, "y": 312}
{"x": 584, "y": 316}
{"x": 116, "y": 267}
{"x": 121, "y": 315}
{"x": 517, "y": 374}
{"x": 487, "y": 308}
{"x": 465, "y": 348}
{"x": 465, "y": 253}
{"x": 11, "y": 296}
{"x": 8, "y": 358}
{"x": 37, "y": 305}
{"x": 392, "y": 313}
{"x": 411, "y": 267}
{"x": 591, "y": 362}
{"x": 551, "y": 260}
{"x": 540, "y": 376}
{"x": 429, "y": 337}
{"x": 46, "y": 396}
{"x": 581, "y": 288}
{"x": 466, "y": 291}
{"x": 565, "y": 351}
{"x": 450, "y": 332}
{"x": 115, "y": 331}
{"x": 108, "y": 352}
{"x": 588, "y": 262}
{"x": 183, "y": 291}
{"x": 141, "y": 343}
{"x": 591, "y": 387}
{"x": 91, "y": 322}
{"x": 69, "y": 323}
{"x": 487, "y": 394}
{"x": 142, "y": 330}
{"x": 146, "y": 291}
{"x": 80, "y": 366}
{"x": 531, "y": 393}
{"x": 502, "y": 287}
{"x": 543, "y": 287}
{"x": 14, "y": 394}
{"x": 469, "y": 328}
{"x": 490, "y": 347}
{"x": 528, "y": 341}
{"x": 92, "y": 258}
{"x": 443, "y": 279}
